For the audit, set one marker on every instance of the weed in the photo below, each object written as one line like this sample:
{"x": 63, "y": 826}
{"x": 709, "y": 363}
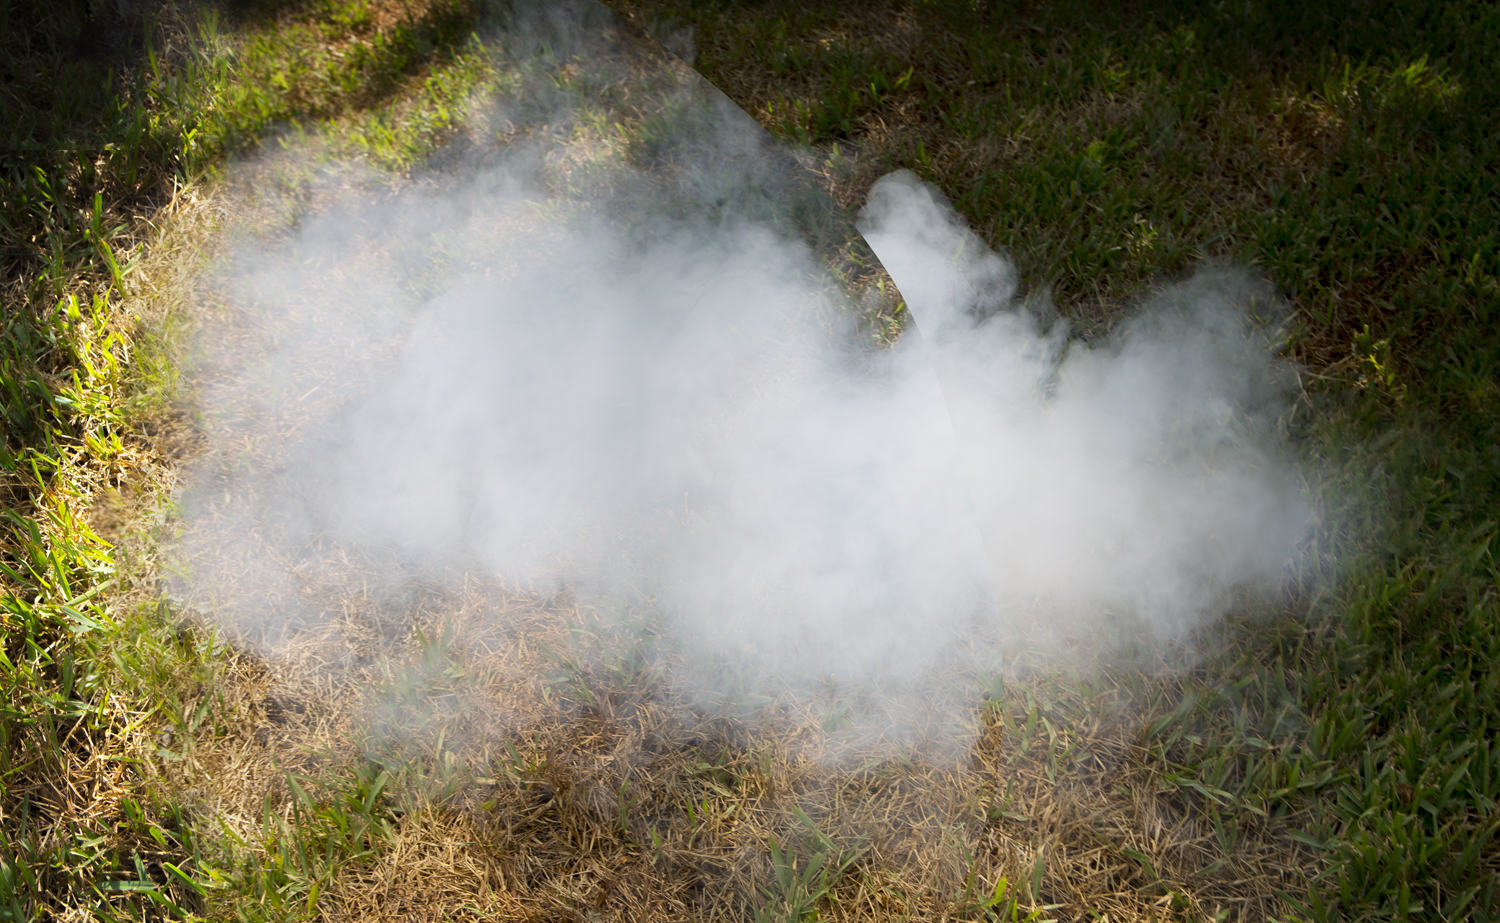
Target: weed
{"x": 801, "y": 886}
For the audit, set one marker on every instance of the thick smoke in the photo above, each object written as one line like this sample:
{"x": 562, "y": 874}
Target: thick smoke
{"x": 645, "y": 394}
{"x": 683, "y": 418}
{"x": 1143, "y": 472}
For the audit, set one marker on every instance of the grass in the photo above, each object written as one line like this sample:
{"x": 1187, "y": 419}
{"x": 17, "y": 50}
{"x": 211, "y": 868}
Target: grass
{"x": 1337, "y": 749}
{"x": 1344, "y": 149}
{"x": 114, "y": 115}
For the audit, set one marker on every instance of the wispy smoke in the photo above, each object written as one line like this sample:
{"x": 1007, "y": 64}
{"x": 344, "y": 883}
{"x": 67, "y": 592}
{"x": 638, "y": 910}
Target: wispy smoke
{"x": 648, "y": 388}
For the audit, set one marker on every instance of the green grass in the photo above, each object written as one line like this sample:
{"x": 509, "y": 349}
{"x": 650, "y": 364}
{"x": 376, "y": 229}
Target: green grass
{"x": 107, "y": 116}
{"x": 1350, "y": 152}
{"x": 1347, "y": 150}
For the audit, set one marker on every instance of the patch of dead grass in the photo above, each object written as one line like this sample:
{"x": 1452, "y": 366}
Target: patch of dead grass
{"x": 630, "y": 801}
{"x": 526, "y": 788}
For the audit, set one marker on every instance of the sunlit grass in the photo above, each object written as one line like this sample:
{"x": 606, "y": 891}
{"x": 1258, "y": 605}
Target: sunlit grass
{"x": 104, "y": 226}
{"x": 1349, "y": 154}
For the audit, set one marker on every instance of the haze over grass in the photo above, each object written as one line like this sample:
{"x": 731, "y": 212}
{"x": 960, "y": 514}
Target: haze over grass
{"x": 658, "y": 392}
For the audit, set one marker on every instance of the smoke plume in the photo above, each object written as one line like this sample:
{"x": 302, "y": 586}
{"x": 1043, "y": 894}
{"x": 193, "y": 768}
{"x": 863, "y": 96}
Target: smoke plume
{"x": 630, "y": 375}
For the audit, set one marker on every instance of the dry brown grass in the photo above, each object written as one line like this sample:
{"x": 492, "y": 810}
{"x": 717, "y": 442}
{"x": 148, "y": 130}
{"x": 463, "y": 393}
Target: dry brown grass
{"x": 631, "y": 801}
{"x": 526, "y": 788}
{"x": 74, "y": 774}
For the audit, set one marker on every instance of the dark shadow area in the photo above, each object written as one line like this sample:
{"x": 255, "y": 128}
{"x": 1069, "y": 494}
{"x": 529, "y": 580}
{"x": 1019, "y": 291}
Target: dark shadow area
{"x": 1279, "y": 36}
{"x": 100, "y": 96}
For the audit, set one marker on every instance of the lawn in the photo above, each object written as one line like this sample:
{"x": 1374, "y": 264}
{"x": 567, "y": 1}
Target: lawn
{"x": 1322, "y": 753}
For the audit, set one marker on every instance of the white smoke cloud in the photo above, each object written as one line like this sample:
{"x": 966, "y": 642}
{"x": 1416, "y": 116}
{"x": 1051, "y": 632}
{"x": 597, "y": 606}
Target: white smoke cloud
{"x": 685, "y": 417}
{"x": 1144, "y": 472}
{"x": 623, "y": 396}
